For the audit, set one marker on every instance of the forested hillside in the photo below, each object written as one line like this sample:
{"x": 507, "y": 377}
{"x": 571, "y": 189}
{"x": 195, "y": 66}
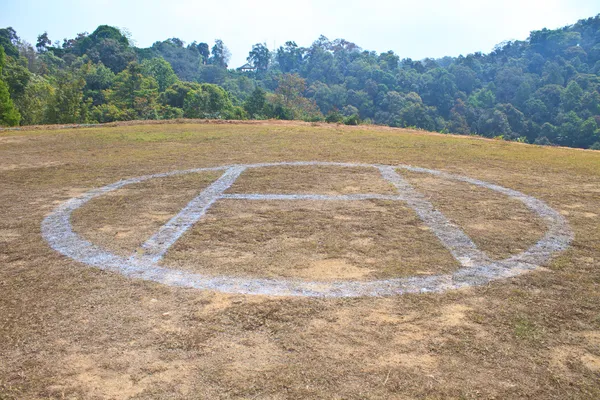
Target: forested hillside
{"x": 544, "y": 90}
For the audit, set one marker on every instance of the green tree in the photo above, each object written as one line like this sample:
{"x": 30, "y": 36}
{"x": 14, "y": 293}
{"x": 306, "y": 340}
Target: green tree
{"x": 16, "y": 75}
{"x": 290, "y": 87}
{"x": 210, "y": 101}
{"x": 34, "y": 103}
{"x": 440, "y": 91}
{"x": 174, "y": 95}
{"x": 135, "y": 92}
{"x": 516, "y": 119}
{"x": 104, "y": 32}
{"x": 507, "y": 82}
{"x": 322, "y": 94}
{"x": 550, "y": 95}
{"x": 260, "y": 57}
{"x": 204, "y": 51}
{"x": 569, "y": 128}
{"x": 389, "y": 61}
{"x": 255, "y": 104}
{"x": 106, "y": 44}
{"x": 98, "y": 79}
{"x": 482, "y": 98}
{"x": 66, "y": 105}
{"x": 113, "y": 54}
{"x": 109, "y": 113}
{"x": 176, "y": 42}
{"x": 588, "y": 134}
{"x": 553, "y": 74}
{"x": 8, "y": 40}
{"x": 43, "y": 42}
{"x": 161, "y": 70}
{"x": 289, "y": 57}
{"x": 591, "y": 102}
{"x": 220, "y": 54}
{"x": 8, "y": 113}
{"x": 494, "y": 123}
{"x": 213, "y": 74}
{"x": 185, "y": 62}
{"x": 465, "y": 78}
{"x": 458, "y": 120}
{"x": 571, "y": 97}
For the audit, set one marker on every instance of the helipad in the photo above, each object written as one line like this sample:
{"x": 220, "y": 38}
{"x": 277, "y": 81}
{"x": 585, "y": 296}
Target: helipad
{"x": 476, "y": 267}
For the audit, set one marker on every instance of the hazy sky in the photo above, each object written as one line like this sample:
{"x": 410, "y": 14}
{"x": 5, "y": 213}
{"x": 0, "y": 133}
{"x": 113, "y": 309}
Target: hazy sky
{"x": 415, "y": 29}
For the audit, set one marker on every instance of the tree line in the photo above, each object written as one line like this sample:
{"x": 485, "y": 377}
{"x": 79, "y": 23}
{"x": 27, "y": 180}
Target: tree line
{"x": 543, "y": 90}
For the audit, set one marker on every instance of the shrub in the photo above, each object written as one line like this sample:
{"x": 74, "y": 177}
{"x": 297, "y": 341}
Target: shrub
{"x": 236, "y": 112}
{"x": 109, "y": 113}
{"x": 352, "y": 120}
{"x": 334, "y": 117}
{"x": 542, "y": 141}
{"x": 168, "y": 112}
{"x": 313, "y": 118}
{"x": 279, "y": 111}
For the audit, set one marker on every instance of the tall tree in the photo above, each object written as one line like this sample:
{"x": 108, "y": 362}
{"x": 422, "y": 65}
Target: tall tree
{"x": 33, "y": 105}
{"x": 260, "y": 57}
{"x": 66, "y": 105}
{"x": 204, "y": 51}
{"x": 8, "y": 40}
{"x": 220, "y": 54}
{"x": 43, "y": 42}
{"x": 290, "y": 87}
{"x": 255, "y": 104}
{"x": 8, "y": 113}
{"x": 160, "y": 70}
{"x": 209, "y": 101}
{"x": 289, "y": 57}
{"x": 135, "y": 92}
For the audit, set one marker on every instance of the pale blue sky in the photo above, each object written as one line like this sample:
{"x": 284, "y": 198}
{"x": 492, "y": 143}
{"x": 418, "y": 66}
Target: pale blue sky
{"x": 416, "y": 29}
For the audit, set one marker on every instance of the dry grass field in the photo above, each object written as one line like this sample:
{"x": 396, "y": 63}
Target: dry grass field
{"x": 72, "y": 331}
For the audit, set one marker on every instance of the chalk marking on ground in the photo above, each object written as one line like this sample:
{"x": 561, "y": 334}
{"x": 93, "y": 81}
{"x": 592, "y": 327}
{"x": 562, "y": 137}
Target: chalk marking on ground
{"x": 452, "y": 237}
{"x": 313, "y": 197}
{"x": 156, "y": 247}
{"x": 477, "y": 268}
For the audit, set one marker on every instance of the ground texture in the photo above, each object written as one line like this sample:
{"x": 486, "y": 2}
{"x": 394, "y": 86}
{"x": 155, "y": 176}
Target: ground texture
{"x": 72, "y": 331}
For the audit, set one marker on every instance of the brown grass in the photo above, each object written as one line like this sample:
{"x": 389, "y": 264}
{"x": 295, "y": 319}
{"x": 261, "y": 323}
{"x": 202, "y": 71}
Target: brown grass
{"x": 311, "y": 240}
{"x": 498, "y": 225}
{"x": 328, "y": 180}
{"x": 122, "y": 220}
{"x": 71, "y": 331}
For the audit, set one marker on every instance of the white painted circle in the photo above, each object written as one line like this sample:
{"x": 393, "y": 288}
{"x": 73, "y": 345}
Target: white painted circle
{"x": 477, "y": 268}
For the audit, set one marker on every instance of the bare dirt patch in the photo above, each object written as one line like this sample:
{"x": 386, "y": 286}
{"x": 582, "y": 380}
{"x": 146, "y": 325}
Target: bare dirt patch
{"x": 13, "y": 139}
{"x": 121, "y": 375}
{"x": 29, "y": 165}
{"x": 9, "y": 235}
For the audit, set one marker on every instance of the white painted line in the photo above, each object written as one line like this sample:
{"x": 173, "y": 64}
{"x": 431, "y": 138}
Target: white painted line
{"x": 156, "y": 247}
{"x": 452, "y": 237}
{"x": 313, "y": 197}
{"x": 58, "y": 232}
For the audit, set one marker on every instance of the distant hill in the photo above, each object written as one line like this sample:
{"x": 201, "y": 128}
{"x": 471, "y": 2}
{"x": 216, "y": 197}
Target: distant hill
{"x": 544, "y": 90}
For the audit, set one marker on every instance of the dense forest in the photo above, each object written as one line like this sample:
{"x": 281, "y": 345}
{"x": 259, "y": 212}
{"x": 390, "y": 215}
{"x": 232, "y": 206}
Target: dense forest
{"x": 543, "y": 90}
